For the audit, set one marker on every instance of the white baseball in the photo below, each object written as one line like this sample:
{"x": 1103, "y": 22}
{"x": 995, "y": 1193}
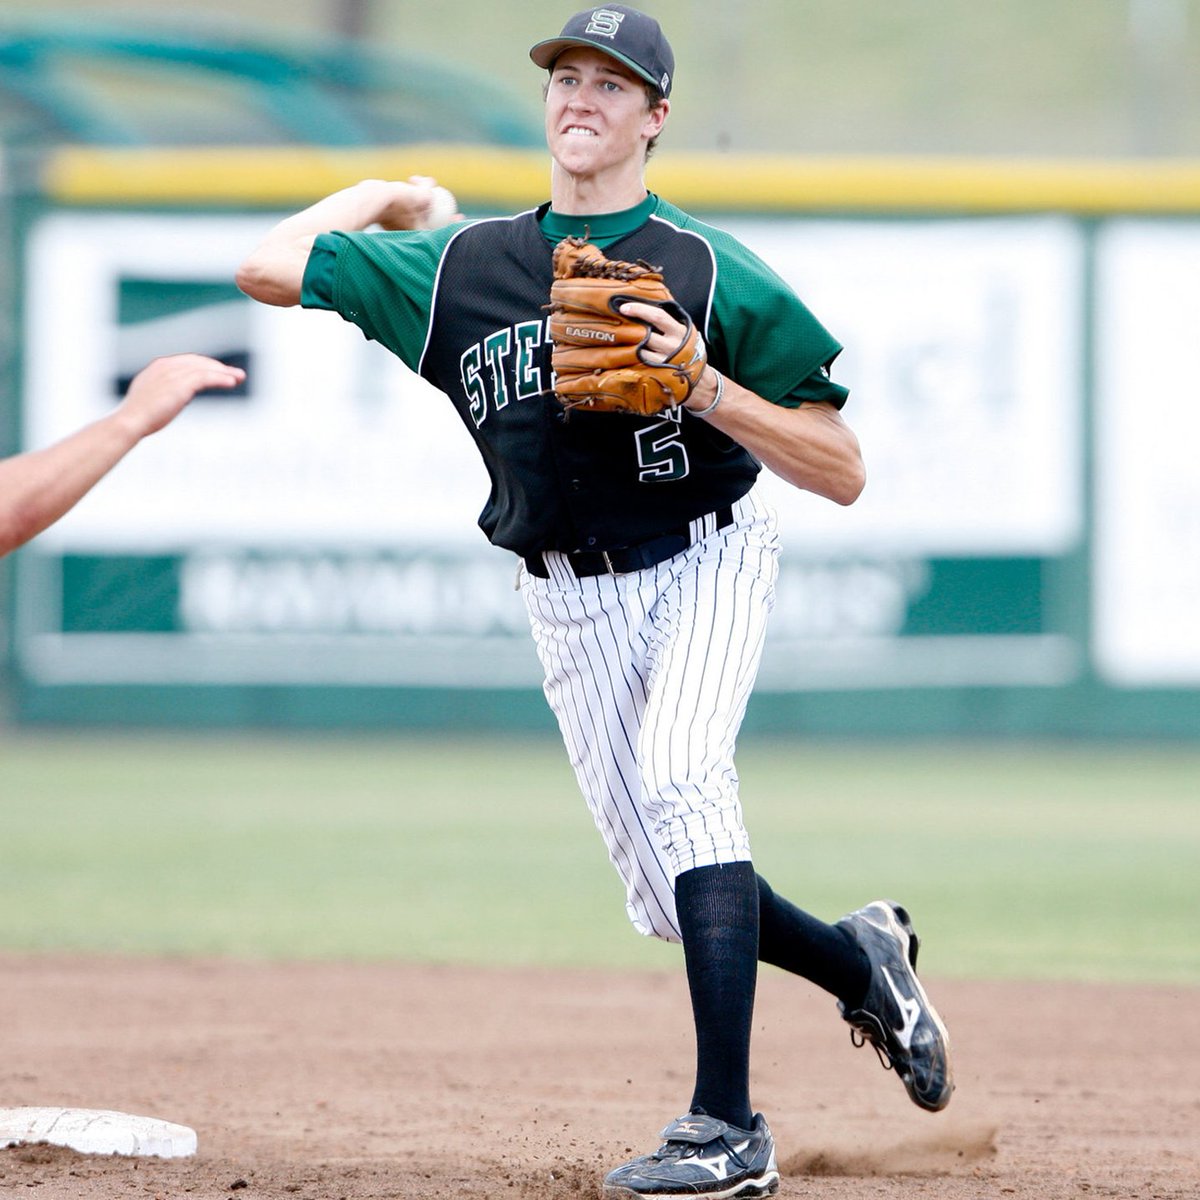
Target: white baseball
{"x": 442, "y": 210}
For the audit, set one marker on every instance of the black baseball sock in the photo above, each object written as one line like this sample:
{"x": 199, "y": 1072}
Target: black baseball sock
{"x": 825, "y": 954}
{"x": 718, "y": 919}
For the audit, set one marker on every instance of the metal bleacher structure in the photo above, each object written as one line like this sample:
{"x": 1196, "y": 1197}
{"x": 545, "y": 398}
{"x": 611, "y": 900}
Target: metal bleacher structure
{"x": 104, "y": 82}
{"x": 94, "y": 84}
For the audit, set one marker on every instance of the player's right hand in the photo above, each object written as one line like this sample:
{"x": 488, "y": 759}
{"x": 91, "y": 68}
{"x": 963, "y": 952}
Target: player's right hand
{"x": 411, "y": 203}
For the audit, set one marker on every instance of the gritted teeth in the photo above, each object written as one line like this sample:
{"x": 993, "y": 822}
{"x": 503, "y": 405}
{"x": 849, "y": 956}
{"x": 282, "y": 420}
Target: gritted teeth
{"x": 580, "y": 130}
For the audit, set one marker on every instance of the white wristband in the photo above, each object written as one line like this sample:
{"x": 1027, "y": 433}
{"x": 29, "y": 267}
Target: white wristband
{"x": 703, "y": 412}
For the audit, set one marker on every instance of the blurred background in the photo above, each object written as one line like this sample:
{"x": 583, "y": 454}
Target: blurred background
{"x": 260, "y": 692}
{"x": 994, "y": 209}
{"x": 1057, "y": 77}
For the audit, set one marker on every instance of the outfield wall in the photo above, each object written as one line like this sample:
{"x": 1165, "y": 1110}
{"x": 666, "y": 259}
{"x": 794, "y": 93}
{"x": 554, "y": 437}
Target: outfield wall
{"x": 1023, "y": 368}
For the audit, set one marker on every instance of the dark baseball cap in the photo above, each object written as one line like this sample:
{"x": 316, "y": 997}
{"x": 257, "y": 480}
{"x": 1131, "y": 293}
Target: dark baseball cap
{"x": 629, "y": 36}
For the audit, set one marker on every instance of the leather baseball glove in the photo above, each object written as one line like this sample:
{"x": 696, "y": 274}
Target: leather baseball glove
{"x": 600, "y": 358}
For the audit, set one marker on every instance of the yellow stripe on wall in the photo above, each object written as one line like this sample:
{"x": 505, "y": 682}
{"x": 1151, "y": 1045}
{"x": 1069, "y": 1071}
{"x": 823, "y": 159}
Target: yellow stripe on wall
{"x": 507, "y": 179}
{"x": 270, "y": 176}
{"x": 931, "y": 184}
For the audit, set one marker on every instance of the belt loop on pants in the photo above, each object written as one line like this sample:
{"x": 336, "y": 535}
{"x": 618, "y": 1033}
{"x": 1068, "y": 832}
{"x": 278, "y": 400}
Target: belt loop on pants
{"x": 620, "y": 560}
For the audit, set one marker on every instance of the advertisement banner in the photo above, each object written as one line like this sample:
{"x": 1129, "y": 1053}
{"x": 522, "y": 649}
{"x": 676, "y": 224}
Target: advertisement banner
{"x": 1147, "y": 543}
{"x": 318, "y": 525}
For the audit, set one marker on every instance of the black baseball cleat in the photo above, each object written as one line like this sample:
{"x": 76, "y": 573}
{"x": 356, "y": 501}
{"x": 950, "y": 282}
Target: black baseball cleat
{"x": 895, "y": 1016}
{"x": 701, "y": 1156}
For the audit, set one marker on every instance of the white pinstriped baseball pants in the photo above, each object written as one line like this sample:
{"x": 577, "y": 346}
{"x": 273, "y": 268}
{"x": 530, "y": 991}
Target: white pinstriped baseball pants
{"x": 649, "y": 674}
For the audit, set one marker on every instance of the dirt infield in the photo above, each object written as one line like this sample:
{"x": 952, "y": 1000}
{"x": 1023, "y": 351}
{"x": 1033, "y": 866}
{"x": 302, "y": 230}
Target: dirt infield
{"x": 320, "y": 1082}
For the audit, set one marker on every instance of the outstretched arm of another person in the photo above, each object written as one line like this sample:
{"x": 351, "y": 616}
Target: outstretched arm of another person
{"x": 273, "y": 272}
{"x": 39, "y": 486}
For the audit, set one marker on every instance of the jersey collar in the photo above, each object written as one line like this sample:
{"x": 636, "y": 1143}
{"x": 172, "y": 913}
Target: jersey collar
{"x": 601, "y": 229}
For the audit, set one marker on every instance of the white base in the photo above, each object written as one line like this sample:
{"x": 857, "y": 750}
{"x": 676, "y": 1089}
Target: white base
{"x": 95, "y": 1131}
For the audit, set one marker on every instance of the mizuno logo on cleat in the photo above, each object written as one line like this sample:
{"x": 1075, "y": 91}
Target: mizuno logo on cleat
{"x": 909, "y": 1006}
{"x": 718, "y": 1165}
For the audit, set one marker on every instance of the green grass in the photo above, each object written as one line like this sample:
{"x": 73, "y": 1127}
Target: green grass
{"x": 1031, "y": 861}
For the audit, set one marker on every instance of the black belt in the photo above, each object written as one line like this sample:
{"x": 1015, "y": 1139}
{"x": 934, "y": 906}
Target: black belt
{"x": 622, "y": 559}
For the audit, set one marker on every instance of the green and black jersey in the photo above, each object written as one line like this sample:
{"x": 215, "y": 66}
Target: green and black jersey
{"x": 465, "y": 306}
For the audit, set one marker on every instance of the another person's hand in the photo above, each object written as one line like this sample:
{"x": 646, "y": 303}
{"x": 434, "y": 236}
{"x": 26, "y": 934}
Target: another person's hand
{"x": 161, "y": 390}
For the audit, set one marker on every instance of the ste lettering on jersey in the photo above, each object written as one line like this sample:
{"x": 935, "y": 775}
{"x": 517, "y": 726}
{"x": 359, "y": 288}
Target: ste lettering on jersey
{"x": 577, "y": 480}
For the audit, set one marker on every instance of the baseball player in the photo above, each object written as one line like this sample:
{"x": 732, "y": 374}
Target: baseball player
{"x": 648, "y": 560}
{"x": 38, "y": 487}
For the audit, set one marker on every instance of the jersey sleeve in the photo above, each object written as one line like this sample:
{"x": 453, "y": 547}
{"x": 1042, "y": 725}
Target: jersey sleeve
{"x": 769, "y": 340}
{"x": 382, "y": 282}
{"x": 817, "y": 386}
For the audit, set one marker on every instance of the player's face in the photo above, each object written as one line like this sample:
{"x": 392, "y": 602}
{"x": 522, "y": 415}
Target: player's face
{"x": 597, "y": 114}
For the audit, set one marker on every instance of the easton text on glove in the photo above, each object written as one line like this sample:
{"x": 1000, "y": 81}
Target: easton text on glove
{"x": 600, "y": 357}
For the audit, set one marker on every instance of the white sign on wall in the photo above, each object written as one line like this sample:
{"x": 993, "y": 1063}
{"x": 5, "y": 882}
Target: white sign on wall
{"x": 963, "y": 355}
{"x": 325, "y": 520}
{"x": 1147, "y": 543}
{"x": 336, "y": 441}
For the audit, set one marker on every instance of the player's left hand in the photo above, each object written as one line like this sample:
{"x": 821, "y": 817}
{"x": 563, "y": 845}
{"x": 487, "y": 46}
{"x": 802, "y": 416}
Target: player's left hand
{"x": 600, "y": 356}
{"x": 669, "y": 333}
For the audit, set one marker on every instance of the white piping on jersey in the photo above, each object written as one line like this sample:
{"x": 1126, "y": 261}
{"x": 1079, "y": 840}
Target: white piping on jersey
{"x": 433, "y": 298}
{"x": 712, "y": 254}
{"x": 437, "y": 279}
